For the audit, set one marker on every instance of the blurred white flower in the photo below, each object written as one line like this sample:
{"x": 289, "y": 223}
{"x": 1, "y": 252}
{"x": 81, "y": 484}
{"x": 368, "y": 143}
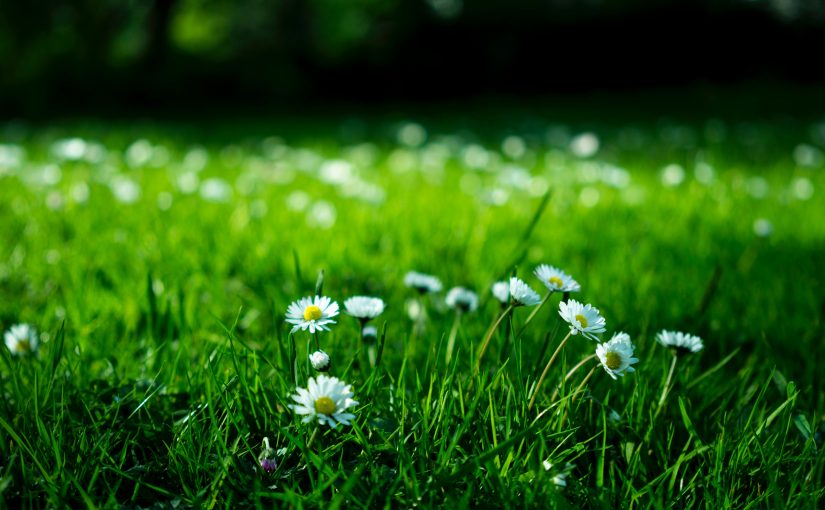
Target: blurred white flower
{"x": 421, "y": 282}
{"x": 320, "y": 360}
{"x": 501, "y": 291}
{"x": 364, "y": 307}
{"x": 21, "y": 339}
{"x": 682, "y": 342}
{"x": 459, "y": 298}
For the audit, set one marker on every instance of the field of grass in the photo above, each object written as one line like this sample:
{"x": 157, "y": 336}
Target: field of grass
{"x": 157, "y": 262}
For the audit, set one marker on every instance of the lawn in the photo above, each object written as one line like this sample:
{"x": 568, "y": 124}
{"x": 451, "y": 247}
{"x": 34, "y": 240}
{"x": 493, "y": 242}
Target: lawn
{"x": 156, "y": 262}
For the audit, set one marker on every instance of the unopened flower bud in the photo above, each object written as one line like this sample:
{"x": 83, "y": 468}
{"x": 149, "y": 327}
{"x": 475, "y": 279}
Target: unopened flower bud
{"x": 320, "y": 361}
{"x": 267, "y": 457}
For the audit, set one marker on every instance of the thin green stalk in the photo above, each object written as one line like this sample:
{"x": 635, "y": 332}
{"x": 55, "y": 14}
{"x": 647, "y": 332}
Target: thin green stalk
{"x": 570, "y": 374}
{"x": 546, "y": 369}
{"x": 534, "y": 312}
{"x": 489, "y": 335}
{"x": 453, "y": 335}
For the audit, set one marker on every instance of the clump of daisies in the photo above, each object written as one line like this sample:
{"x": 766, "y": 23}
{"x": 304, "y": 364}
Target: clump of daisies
{"x": 21, "y": 339}
{"x": 312, "y": 313}
{"x": 325, "y": 400}
{"x": 681, "y": 343}
{"x": 423, "y": 283}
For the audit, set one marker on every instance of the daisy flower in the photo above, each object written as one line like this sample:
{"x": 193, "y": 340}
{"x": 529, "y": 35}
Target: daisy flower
{"x": 682, "y": 342}
{"x": 556, "y": 280}
{"x": 312, "y": 313}
{"x": 421, "y": 282}
{"x": 501, "y": 291}
{"x": 21, "y": 339}
{"x": 319, "y": 360}
{"x": 325, "y": 399}
{"x": 616, "y": 355}
{"x": 521, "y": 294}
{"x": 584, "y": 319}
{"x": 364, "y": 307}
{"x": 459, "y": 298}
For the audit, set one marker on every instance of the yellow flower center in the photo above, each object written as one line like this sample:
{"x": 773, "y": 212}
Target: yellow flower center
{"x": 555, "y": 280}
{"x": 312, "y": 313}
{"x": 324, "y": 405}
{"x": 612, "y": 360}
{"x": 582, "y": 320}
{"x": 23, "y": 346}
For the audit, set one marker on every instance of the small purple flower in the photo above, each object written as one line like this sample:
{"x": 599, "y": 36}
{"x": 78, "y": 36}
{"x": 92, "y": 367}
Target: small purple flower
{"x": 267, "y": 457}
{"x": 269, "y": 465}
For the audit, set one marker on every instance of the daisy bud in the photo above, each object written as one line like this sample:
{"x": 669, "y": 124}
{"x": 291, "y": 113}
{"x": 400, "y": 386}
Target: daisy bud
{"x": 267, "y": 457}
{"x": 370, "y": 333}
{"x": 320, "y": 361}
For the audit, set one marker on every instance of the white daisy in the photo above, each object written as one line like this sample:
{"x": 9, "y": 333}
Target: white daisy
{"x": 312, "y": 313}
{"x": 21, "y": 339}
{"x": 320, "y": 360}
{"x": 616, "y": 355}
{"x": 556, "y": 280}
{"x": 462, "y": 299}
{"x": 584, "y": 319}
{"x": 364, "y": 307}
{"x": 521, "y": 294}
{"x": 501, "y": 291}
{"x": 325, "y": 399}
{"x": 682, "y": 342}
{"x": 421, "y": 282}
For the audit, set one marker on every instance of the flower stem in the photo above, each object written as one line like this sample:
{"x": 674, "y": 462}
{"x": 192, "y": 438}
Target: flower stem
{"x": 584, "y": 381}
{"x": 490, "y": 333}
{"x": 570, "y": 374}
{"x": 534, "y": 312}
{"x": 546, "y": 369}
{"x": 453, "y": 335}
{"x": 666, "y": 389}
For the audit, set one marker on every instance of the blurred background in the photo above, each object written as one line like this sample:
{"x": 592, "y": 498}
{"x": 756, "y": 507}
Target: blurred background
{"x": 64, "y": 57}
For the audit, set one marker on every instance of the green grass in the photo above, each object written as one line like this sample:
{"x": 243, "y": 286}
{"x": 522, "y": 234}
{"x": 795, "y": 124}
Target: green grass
{"x": 167, "y": 359}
